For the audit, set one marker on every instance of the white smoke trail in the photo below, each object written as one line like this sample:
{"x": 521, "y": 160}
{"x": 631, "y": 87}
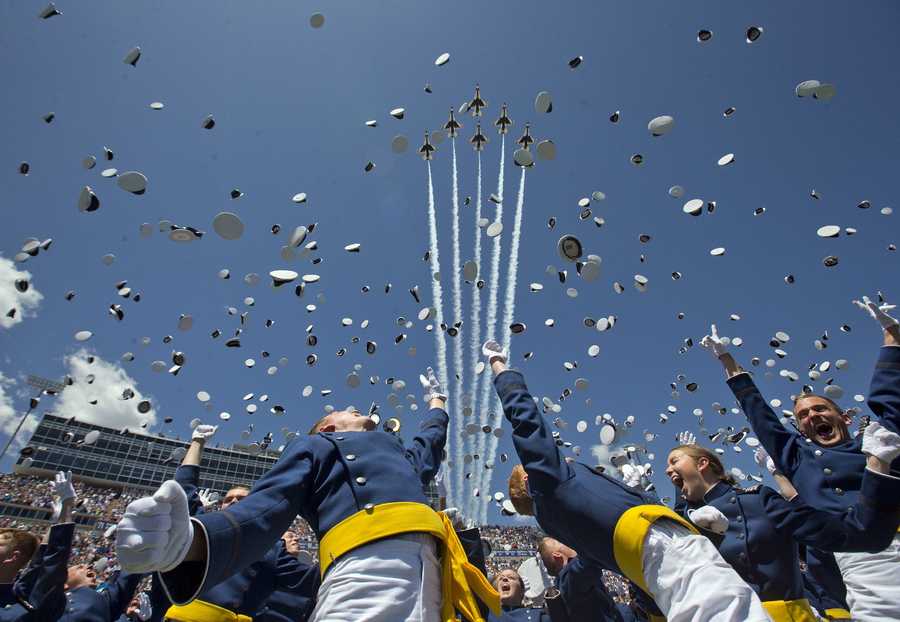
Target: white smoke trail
{"x": 437, "y": 295}
{"x": 491, "y": 326}
{"x": 456, "y": 406}
{"x": 475, "y": 342}
{"x": 509, "y": 309}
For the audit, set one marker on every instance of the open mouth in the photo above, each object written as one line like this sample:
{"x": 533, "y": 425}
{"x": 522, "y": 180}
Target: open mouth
{"x": 505, "y": 589}
{"x": 825, "y": 431}
{"x": 677, "y": 481}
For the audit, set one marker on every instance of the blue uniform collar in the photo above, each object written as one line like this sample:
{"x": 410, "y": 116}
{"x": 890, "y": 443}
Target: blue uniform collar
{"x": 721, "y": 489}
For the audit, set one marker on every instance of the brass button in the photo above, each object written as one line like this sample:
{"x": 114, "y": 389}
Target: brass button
{"x": 351, "y": 457}
{"x": 361, "y": 480}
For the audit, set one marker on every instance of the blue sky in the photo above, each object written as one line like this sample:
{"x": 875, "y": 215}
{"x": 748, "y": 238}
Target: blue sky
{"x": 290, "y": 104}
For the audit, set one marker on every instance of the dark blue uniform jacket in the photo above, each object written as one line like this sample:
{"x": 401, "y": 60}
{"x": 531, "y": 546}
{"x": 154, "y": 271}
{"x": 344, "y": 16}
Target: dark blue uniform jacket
{"x": 574, "y": 503}
{"x": 324, "y": 478}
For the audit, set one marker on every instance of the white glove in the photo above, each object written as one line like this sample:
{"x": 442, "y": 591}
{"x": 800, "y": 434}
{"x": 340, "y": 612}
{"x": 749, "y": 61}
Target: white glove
{"x": 880, "y": 442}
{"x": 631, "y": 475}
{"x": 494, "y": 352}
{"x": 715, "y": 344}
{"x": 62, "y": 491}
{"x": 156, "y": 532}
{"x": 763, "y": 459}
{"x": 432, "y": 386}
{"x": 145, "y": 610}
{"x": 879, "y": 313}
{"x": 205, "y": 498}
{"x": 686, "y": 438}
{"x": 709, "y": 518}
{"x": 203, "y": 432}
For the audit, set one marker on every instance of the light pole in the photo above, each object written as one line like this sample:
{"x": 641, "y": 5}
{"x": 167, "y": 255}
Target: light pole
{"x": 43, "y": 385}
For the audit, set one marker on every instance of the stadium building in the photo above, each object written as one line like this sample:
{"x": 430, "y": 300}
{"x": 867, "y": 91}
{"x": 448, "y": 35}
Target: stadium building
{"x": 135, "y": 461}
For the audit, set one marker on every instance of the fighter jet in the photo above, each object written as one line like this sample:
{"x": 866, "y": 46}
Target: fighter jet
{"x": 452, "y": 126}
{"x": 479, "y": 139}
{"x": 476, "y": 104}
{"x": 504, "y": 121}
{"x": 526, "y": 138}
{"x": 426, "y": 150}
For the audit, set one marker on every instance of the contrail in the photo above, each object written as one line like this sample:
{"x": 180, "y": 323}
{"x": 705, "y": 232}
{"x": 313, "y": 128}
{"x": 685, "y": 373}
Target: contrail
{"x": 457, "y": 316}
{"x": 475, "y": 342}
{"x": 491, "y": 328}
{"x": 509, "y": 309}
{"x": 437, "y": 293}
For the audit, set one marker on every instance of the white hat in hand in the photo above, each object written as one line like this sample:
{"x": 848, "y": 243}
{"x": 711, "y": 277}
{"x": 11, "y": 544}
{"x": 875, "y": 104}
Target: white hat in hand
{"x": 203, "y": 432}
{"x": 494, "y": 352}
{"x": 880, "y": 442}
{"x": 714, "y": 343}
{"x": 432, "y": 386}
{"x": 156, "y": 532}
{"x": 709, "y": 518}
{"x": 145, "y": 609}
{"x": 878, "y": 312}
{"x": 631, "y": 475}
{"x": 763, "y": 459}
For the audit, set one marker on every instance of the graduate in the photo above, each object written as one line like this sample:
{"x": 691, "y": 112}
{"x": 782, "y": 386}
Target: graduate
{"x": 511, "y": 587}
{"x": 582, "y": 594}
{"x": 759, "y": 529}
{"x": 244, "y": 593}
{"x": 361, "y": 491}
{"x": 612, "y": 525}
{"x": 39, "y": 594}
{"x": 825, "y": 462}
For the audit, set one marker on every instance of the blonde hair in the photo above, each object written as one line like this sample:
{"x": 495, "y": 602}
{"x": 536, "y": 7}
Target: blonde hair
{"x": 22, "y": 541}
{"x": 518, "y": 491}
{"x": 715, "y": 464}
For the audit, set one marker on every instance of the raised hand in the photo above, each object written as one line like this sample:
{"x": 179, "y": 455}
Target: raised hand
{"x": 431, "y": 386}
{"x": 709, "y": 518}
{"x": 878, "y": 312}
{"x": 156, "y": 532}
{"x": 494, "y": 352}
{"x": 206, "y": 498}
{"x": 631, "y": 475}
{"x": 714, "y": 343}
{"x": 145, "y": 610}
{"x": 686, "y": 438}
{"x": 763, "y": 459}
{"x": 880, "y": 442}
{"x": 203, "y": 432}
{"x": 63, "y": 493}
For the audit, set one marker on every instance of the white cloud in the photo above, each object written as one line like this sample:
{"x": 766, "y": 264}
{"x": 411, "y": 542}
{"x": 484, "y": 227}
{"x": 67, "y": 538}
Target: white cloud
{"x": 25, "y": 303}
{"x": 9, "y": 416}
{"x": 109, "y": 381}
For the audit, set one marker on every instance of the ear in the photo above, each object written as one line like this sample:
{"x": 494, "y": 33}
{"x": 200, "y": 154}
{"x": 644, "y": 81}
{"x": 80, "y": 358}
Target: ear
{"x": 525, "y": 477}
{"x": 328, "y": 427}
{"x": 846, "y": 418}
{"x": 702, "y": 463}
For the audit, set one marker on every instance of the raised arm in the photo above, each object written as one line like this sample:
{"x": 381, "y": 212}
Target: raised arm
{"x": 119, "y": 592}
{"x": 195, "y": 554}
{"x": 884, "y": 391}
{"x": 869, "y": 525}
{"x": 531, "y": 435}
{"x": 188, "y": 473}
{"x": 427, "y": 446}
{"x": 57, "y": 540}
{"x": 778, "y": 440}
